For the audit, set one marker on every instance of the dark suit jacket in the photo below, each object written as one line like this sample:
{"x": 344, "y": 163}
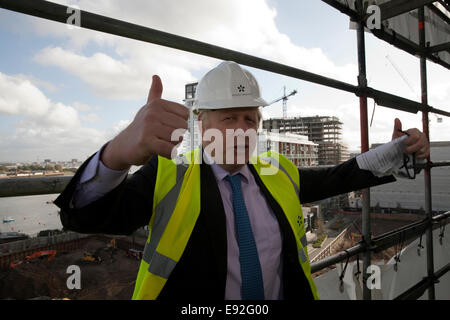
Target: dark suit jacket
{"x": 202, "y": 270}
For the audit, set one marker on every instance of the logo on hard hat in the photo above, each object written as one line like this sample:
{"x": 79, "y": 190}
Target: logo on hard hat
{"x": 241, "y": 91}
{"x": 241, "y": 88}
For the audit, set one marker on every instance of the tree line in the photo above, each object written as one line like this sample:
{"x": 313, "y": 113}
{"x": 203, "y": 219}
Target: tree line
{"x": 32, "y": 167}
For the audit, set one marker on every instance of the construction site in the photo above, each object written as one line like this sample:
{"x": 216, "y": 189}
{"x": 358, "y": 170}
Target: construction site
{"x": 412, "y": 251}
{"x": 325, "y": 131}
{"x": 37, "y": 268}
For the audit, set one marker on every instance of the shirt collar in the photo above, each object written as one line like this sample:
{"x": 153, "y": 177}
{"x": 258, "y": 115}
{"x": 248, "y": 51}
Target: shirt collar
{"x": 221, "y": 173}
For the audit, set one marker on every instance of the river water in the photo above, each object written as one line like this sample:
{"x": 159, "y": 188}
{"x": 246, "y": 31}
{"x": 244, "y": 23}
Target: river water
{"x": 31, "y": 214}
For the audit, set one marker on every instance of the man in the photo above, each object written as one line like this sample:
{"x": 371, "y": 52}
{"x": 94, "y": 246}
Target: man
{"x": 224, "y": 225}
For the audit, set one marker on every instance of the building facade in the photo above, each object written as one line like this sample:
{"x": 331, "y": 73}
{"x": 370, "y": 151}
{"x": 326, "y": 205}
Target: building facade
{"x": 191, "y": 138}
{"x": 323, "y": 130}
{"x": 297, "y": 148}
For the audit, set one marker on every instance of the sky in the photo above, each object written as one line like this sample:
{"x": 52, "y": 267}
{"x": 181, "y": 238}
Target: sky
{"x": 65, "y": 92}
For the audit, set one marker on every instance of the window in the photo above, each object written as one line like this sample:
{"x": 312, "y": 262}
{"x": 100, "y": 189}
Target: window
{"x": 190, "y": 90}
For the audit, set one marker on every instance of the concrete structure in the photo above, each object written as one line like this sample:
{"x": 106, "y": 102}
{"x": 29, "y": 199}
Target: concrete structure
{"x": 324, "y": 130}
{"x": 297, "y": 148}
{"x": 310, "y": 215}
{"x": 191, "y": 138}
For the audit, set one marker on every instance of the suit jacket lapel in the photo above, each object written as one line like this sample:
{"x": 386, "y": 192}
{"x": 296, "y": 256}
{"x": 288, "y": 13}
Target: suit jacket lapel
{"x": 214, "y": 218}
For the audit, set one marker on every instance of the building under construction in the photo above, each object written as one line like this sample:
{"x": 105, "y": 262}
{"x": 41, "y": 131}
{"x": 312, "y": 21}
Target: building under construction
{"x": 419, "y": 27}
{"x": 326, "y": 131}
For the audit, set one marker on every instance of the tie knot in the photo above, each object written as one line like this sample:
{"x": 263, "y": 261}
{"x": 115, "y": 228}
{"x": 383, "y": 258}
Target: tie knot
{"x": 234, "y": 180}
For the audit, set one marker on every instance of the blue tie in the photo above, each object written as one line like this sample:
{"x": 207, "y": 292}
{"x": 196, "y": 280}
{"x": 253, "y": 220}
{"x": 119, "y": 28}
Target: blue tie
{"x": 252, "y": 284}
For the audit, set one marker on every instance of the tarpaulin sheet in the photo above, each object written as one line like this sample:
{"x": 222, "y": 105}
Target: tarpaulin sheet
{"x": 437, "y": 31}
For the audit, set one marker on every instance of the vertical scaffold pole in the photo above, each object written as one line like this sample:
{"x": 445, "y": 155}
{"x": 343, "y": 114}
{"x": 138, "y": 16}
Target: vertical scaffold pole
{"x": 362, "y": 82}
{"x": 427, "y": 172}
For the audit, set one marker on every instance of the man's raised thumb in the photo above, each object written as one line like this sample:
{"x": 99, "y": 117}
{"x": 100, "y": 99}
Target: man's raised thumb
{"x": 156, "y": 89}
{"x": 397, "y": 124}
{"x": 397, "y": 128}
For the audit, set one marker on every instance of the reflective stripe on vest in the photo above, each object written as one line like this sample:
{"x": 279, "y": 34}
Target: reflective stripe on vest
{"x": 176, "y": 208}
{"x": 163, "y": 212}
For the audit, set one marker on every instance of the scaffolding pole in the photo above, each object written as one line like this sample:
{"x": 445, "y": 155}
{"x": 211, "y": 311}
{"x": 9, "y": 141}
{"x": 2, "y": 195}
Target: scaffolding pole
{"x": 362, "y": 83}
{"x": 427, "y": 171}
{"x": 391, "y": 37}
{"x": 395, "y": 8}
{"x": 382, "y": 242}
{"x": 56, "y": 12}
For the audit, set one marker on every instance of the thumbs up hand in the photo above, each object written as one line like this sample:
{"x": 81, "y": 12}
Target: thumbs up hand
{"x": 150, "y": 132}
{"x": 417, "y": 141}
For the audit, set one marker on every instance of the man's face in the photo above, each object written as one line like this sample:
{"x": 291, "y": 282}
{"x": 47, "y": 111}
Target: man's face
{"x": 238, "y": 130}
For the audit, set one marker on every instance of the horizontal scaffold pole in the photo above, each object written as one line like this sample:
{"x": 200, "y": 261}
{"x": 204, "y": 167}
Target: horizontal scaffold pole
{"x": 395, "y": 8}
{"x": 88, "y": 20}
{"x": 382, "y": 242}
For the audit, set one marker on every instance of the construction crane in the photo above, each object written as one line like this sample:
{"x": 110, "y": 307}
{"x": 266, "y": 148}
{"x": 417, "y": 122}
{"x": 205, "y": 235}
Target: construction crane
{"x": 284, "y": 98}
{"x": 439, "y": 119}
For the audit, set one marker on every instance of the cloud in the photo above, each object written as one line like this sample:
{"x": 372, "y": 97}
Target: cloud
{"x": 99, "y": 71}
{"x": 90, "y": 117}
{"x": 116, "y": 128}
{"x": 41, "y": 84}
{"x": 19, "y": 96}
{"x": 119, "y": 68}
{"x": 247, "y": 26}
{"x": 45, "y": 128}
{"x": 82, "y": 106}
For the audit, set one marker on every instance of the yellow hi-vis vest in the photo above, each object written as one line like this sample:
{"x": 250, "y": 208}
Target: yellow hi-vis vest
{"x": 176, "y": 207}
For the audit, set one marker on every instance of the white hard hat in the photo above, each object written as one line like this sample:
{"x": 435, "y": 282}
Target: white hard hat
{"x": 227, "y": 86}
